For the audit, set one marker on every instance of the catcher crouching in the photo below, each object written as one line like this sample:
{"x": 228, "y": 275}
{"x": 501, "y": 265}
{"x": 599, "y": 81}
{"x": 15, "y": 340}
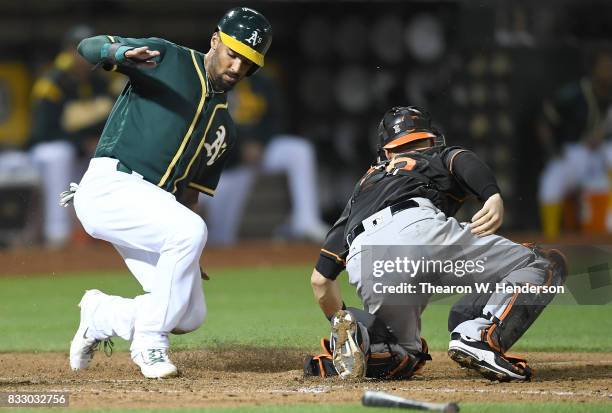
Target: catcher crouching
{"x": 407, "y": 200}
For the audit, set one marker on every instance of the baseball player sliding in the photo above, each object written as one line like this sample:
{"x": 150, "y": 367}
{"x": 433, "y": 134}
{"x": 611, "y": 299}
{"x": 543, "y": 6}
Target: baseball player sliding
{"x": 408, "y": 199}
{"x": 167, "y": 137}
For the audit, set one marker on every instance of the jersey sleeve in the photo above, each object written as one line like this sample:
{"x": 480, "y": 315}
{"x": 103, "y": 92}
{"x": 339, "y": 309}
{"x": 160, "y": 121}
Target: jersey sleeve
{"x": 108, "y": 51}
{"x": 471, "y": 172}
{"x": 332, "y": 258}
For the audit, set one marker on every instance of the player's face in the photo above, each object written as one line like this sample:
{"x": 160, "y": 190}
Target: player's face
{"x": 227, "y": 66}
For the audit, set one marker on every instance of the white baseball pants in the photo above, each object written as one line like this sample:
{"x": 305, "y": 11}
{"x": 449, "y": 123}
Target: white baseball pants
{"x": 161, "y": 242}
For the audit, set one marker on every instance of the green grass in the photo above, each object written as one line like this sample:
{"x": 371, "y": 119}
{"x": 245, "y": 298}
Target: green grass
{"x": 258, "y": 307}
{"x": 356, "y": 408}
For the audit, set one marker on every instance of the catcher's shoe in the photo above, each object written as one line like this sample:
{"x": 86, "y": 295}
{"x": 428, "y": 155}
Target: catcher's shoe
{"x": 82, "y": 346}
{"x": 154, "y": 363}
{"x": 347, "y": 354}
{"x": 478, "y": 355}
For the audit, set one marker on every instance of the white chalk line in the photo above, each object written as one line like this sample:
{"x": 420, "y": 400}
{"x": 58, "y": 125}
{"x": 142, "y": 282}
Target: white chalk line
{"x": 506, "y": 391}
{"x": 327, "y": 389}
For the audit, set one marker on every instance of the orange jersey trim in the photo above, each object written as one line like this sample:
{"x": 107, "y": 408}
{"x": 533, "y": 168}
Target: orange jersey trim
{"x": 337, "y": 257}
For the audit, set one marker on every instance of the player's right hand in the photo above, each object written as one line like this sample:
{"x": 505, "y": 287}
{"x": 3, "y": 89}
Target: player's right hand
{"x": 142, "y": 56}
{"x": 489, "y": 218}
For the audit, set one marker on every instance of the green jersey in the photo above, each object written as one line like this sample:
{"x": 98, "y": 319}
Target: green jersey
{"x": 167, "y": 124}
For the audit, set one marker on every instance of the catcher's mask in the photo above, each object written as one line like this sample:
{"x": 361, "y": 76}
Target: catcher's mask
{"x": 248, "y": 33}
{"x": 404, "y": 124}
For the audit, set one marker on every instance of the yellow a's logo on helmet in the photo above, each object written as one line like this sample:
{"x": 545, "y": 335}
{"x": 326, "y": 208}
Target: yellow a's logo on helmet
{"x": 255, "y": 38}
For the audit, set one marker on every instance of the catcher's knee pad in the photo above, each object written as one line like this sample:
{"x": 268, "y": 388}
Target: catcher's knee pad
{"x": 392, "y": 361}
{"x": 524, "y": 308}
{"x": 321, "y": 365}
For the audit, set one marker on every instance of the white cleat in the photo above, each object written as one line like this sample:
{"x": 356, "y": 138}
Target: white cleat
{"x": 82, "y": 347}
{"x": 155, "y": 364}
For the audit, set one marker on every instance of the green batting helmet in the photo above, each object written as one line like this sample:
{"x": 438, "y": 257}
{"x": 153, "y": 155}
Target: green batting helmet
{"x": 247, "y": 32}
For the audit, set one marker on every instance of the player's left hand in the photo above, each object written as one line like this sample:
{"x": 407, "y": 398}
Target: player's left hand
{"x": 142, "y": 56}
{"x": 489, "y": 218}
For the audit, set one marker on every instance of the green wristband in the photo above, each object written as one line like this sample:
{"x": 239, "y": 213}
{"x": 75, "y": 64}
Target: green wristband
{"x": 120, "y": 53}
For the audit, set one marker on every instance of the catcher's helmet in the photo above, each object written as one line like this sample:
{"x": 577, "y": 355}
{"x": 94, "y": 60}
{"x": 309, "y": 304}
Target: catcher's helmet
{"x": 247, "y": 32}
{"x": 404, "y": 124}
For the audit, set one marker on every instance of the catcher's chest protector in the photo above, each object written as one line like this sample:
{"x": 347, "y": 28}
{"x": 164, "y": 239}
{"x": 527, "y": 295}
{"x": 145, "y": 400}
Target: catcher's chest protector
{"x": 414, "y": 174}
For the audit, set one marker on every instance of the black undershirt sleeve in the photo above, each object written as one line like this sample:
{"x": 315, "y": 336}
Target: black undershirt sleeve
{"x": 332, "y": 258}
{"x": 473, "y": 173}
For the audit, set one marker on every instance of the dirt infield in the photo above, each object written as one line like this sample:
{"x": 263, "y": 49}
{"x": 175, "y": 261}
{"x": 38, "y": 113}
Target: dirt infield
{"x": 253, "y": 376}
{"x": 101, "y": 256}
{"x": 248, "y": 376}
{"x": 95, "y": 255}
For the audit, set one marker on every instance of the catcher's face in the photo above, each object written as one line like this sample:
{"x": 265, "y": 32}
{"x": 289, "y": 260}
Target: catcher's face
{"x": 418, "y": 145}
{"x": 226, "y": 66}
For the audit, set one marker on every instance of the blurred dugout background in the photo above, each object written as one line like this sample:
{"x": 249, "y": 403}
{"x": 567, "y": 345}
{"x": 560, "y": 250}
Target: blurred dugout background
{"x": 482, "y": 68}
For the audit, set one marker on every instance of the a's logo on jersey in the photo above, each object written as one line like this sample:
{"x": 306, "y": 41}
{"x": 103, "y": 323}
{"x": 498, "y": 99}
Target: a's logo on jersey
{"x": 215, "y": 150}
{"x": 397, "y": 128}
{"x": 255, "y": 38}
